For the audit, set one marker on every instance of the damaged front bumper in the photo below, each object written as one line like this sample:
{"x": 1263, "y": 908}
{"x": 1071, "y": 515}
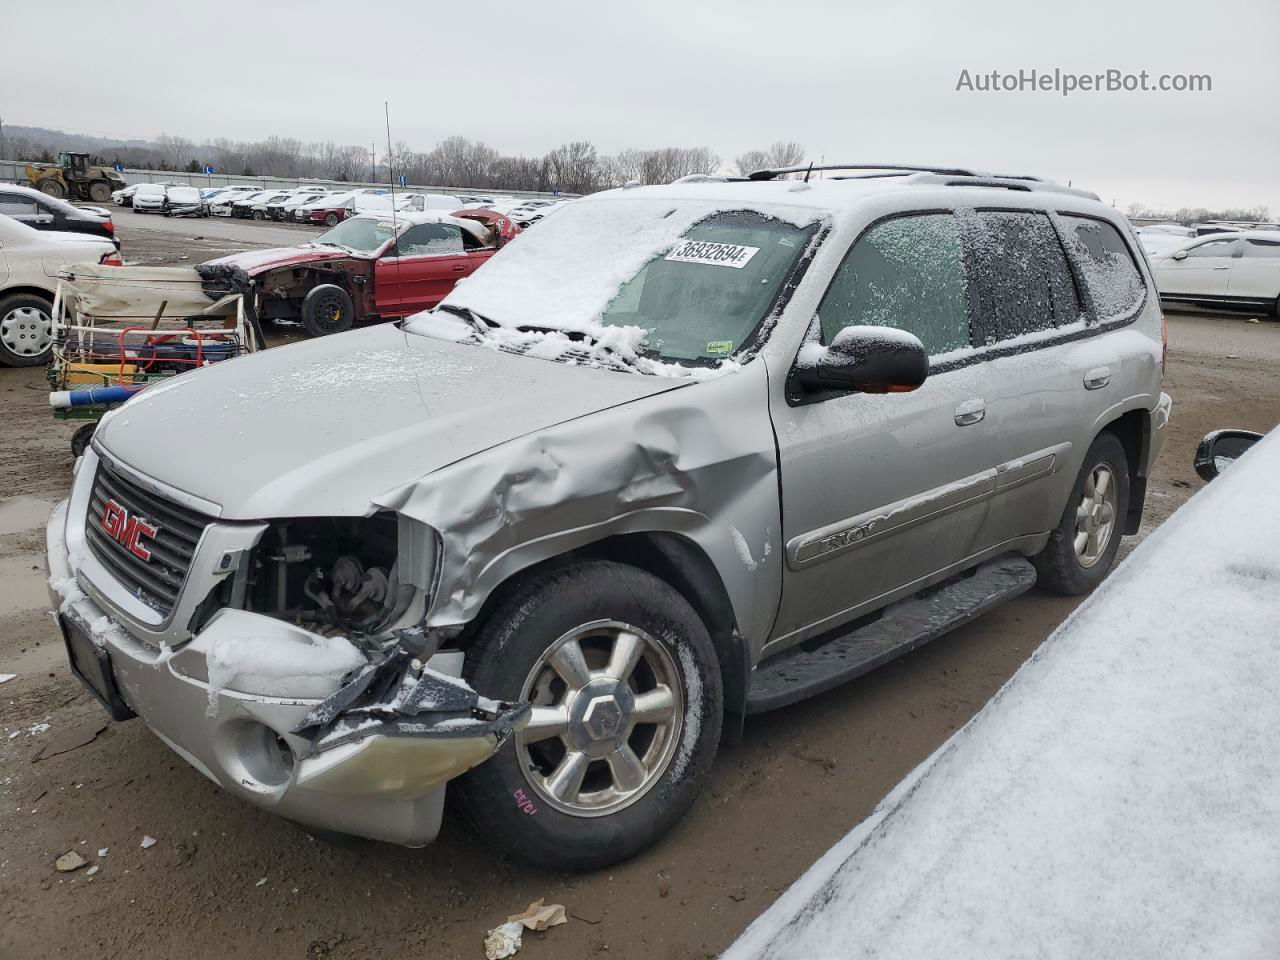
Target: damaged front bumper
{"x": 368, "y": 757}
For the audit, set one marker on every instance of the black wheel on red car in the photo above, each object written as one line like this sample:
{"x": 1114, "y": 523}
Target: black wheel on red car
{"x": 327, "y": 309}
{"x": 330, "y": 219}
{"x": 627, "y": 700}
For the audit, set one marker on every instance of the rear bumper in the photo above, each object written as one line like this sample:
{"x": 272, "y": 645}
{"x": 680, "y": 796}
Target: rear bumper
{"x": 240, "y": 735}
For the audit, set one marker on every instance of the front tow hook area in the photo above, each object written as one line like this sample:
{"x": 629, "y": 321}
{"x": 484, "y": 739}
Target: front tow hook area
{"x": 398, "y": 729}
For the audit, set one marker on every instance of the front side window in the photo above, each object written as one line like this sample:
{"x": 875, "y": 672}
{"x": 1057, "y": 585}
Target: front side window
{"x": 1269, "y": 249}
{"x": 1024, "y": 282}
{"x": 907, "y": 273}
{"x": 1106, "y": 264}
{"x": 13, "y": 205}
{"x": 1213, "y": 248}
{"x": 427, "y": 239}
{"x": 703, "y": 298}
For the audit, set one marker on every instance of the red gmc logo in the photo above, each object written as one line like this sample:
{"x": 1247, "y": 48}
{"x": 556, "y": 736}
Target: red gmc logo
{"x": 126, "y": 529}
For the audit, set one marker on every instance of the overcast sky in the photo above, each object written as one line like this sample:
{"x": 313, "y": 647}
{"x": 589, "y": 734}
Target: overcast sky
{"x": 849, "y": 81}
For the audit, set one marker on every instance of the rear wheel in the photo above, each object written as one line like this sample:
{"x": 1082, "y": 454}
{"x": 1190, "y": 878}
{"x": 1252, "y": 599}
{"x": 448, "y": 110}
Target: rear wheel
{"x": 327, "y": 309}
{"x": 331, "y": 220}
{"x": 1083, "y": 547}
{"x": 53, "y": 188}
{"x": 26, "y": 331}
{"x": 259, "y": 215}
{"x": 99, "y": 191}
{"x": 625, "y": 690}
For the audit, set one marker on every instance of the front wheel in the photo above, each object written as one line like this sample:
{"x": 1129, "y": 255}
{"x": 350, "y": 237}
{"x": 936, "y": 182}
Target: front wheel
{"x": 1083, "y": 546}
{"x": 625, "y": 689}
{"x": 331, "y": 219}
{"x": 327, "y": 309}
{"x": 99, "y": 192}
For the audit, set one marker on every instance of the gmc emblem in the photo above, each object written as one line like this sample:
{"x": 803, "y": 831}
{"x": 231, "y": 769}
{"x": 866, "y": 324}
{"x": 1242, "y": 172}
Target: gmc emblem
{"x": 126, "y": 529}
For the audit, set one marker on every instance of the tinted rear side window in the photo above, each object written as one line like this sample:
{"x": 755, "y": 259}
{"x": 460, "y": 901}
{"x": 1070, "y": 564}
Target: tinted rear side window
{"x": 907, "y": 273}
{"x": 1114, "y": 281}
{"x": 1024, "y": 283}
{"x": 1261, "y": 248}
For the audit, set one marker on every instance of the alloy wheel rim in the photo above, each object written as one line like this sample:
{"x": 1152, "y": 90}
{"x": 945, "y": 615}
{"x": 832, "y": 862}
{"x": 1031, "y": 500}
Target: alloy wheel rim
{"x": 26, "y": 331}
{"x": 1096, "y": 515}
{"x": 607, "y": 713}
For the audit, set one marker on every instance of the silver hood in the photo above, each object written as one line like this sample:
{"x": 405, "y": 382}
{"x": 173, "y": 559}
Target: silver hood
{"x": 322, "y": 427}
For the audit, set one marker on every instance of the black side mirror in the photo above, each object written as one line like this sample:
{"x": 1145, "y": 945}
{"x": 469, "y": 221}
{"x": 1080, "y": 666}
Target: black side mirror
{"x": 1220, "y": 449}
{"x": 866, "y": 359}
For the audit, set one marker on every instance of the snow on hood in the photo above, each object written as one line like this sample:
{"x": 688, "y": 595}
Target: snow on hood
{"x": 256, "y": 261}
{"x": 1120, "y": 797}
{"x": 322, "y": 427}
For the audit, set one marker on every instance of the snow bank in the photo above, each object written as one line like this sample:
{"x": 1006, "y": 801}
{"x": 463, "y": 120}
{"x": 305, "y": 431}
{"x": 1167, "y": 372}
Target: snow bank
{"x": 1120, "y": 797}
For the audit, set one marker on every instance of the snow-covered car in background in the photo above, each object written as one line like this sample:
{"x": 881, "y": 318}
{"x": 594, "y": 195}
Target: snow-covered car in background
{"x": 421, "y": 202}
{"x": 221, "y": 205}
{"x": 43, "y": 212}
{"x": 184, "y": 202}
{"x": 124, "y": 196}
{"x": 149, "y": 198}
{"x": 1117, "y": 798}
{"x": 29, "y": 264}
{"x": 363, "y": 269}
{"x": 283, "y": 209}
{"x": 1226, "y": 271}
{"x": 332, "y": 210}
{"x": 681, "y": 454}
{"x": 254, "y": 206}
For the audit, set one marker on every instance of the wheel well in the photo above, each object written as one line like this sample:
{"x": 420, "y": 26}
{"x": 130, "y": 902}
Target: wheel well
{"x": 27, "y": 292}
{"x": 1133, "y": 430}
{"x": 681, "y": 564}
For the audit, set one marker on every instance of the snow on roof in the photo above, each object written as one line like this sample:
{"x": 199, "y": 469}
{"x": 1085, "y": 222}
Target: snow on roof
{"x": 1120, "y": 796}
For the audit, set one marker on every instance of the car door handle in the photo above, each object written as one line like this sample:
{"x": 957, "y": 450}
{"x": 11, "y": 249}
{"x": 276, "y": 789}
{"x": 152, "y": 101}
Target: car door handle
{"x": 458, "y": 268}
{"x": 970, "y": 412}
{"x": 1097, "y": 378}
{"x": 1221, "y": 268}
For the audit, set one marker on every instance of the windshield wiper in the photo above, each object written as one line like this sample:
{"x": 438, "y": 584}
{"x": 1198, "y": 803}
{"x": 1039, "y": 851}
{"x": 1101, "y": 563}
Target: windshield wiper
{"x": 580, "y": 336}
{"x": 481, "y": 324}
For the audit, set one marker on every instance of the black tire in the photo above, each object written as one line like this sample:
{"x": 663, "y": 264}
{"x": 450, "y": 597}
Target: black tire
{"x": 81, "y": 438}
{"x": 327, "y": 309}
{"x": 1060, "y": 566}
{"x": 259, "y": 215}
{"x": 331, "y": 219}
{"x": 53, "y": 188}
{"x": 18, "y": 336}
{"x": 505, "y": 801}
{"x": 99, "y": 191}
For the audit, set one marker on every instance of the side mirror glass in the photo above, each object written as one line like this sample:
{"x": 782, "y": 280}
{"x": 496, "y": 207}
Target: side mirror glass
{"x": 865, "y": 359}
{"x": 1180, "y": 255}
{"x": 1220, "y": 449}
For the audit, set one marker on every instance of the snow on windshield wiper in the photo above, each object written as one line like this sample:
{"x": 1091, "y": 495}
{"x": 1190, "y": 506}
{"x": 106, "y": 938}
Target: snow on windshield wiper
{"x": 591, "y": 340}
{"x": 481, "y": 324}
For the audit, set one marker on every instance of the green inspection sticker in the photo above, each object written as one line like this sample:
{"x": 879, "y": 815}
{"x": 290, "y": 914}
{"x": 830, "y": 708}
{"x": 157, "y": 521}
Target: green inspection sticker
{"x": 720, "y": 346}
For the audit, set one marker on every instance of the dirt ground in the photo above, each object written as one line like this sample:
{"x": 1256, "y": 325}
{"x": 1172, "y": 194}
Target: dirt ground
{"x": 224, "y": 877}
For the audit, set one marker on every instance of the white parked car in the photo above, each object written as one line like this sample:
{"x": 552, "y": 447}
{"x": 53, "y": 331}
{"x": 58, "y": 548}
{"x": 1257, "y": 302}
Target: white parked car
{"x": 220, "y": 206}
{"x": 184, "y": 202}
{"x": 124, "y": 197}
{"x": 1235, "y": 271}
{"x": 29, "y": 265}
{"x": 149, "y": 198}
{"x": 421, "y": 202}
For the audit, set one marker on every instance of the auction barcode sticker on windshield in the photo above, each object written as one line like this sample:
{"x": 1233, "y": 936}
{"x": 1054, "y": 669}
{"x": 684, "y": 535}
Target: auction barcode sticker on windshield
{"x": 717, "y": 254}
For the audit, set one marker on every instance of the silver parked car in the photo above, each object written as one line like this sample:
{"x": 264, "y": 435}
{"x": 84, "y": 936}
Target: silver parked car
{"x": 683, "y": 454}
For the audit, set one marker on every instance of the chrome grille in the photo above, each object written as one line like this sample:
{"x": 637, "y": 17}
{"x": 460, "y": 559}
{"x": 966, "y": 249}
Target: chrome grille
{"x": 157, "y": 581}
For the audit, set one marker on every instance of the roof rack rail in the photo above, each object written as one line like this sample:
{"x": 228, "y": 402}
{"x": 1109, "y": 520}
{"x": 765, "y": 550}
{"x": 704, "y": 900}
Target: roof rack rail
{"x": 773, "y": 174}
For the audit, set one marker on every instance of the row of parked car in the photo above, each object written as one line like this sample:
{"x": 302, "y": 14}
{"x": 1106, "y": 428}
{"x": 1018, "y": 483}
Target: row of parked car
{"x": 313, "y": 204}
{"x": 1219, "y": 266}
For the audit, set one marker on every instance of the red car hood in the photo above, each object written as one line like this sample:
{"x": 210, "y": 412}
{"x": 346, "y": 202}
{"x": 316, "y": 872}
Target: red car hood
{"x": 254, "y": 262}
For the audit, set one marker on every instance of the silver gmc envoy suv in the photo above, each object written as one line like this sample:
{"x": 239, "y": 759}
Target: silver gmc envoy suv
{"x": 679, "y": 455}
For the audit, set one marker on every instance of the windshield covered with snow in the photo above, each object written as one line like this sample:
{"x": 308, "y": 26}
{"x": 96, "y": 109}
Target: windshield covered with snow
{"x": 359, "y": 235}
{"x": 672, "y": 281}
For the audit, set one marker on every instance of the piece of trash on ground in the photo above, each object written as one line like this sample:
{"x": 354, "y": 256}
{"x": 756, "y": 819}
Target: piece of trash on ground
{"x": 6, "y": 677}
{"x": 71, "y": 739}
{"x": 502, "y": 942}
{"x": 538, "y": 917}
{"x": 92, "y": 870}
{"x": 102, "y": 851}
{"x": 148, "y": 842}
{"x": 70, "y": 861}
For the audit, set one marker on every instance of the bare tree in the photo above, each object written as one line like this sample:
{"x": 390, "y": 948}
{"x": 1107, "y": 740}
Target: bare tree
{"x": 781, "y": 154}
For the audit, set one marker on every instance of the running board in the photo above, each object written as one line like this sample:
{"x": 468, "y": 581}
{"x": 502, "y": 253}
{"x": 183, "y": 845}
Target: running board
{"x": 798, "y": 673}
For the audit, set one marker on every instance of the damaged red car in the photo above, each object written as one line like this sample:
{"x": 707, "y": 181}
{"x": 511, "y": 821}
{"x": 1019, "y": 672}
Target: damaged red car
{"x": 375, "y": 266}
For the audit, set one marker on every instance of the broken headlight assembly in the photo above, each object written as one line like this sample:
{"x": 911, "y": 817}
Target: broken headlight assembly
{"x": 335, "y": 574}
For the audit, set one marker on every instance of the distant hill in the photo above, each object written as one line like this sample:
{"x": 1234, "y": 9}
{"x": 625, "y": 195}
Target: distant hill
{"x": 77, "y": 142}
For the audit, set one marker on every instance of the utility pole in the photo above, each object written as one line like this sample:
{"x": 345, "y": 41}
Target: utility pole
{"x": 373, "y": 163}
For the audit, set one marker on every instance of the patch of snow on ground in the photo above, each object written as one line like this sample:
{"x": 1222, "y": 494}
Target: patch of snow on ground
{"x": 1119, "y": 797}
